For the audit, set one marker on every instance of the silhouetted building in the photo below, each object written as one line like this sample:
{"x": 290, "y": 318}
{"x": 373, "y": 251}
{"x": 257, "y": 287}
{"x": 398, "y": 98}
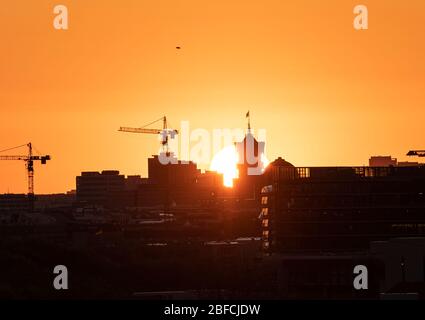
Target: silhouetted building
{"x": 382, "y": 161}
{"x": 320, "y": 222}
{"x": 171, "y": 174}
{"x": 133, "y": 181}
{"x": 151, "y": 195}
{"x": 177, "y": 183}
{"x": 408, "y": 164}
{"x": 107, "y": 189}
{"x": 55, "y": 201}
{"x": 341, "y": 208}
{"x": 14, "y": 203}
{"x": 250, "y": 167}
{"x": 388, "y": 161}
{"x": 404, "y": 261}
{"x": 315, "y": 275}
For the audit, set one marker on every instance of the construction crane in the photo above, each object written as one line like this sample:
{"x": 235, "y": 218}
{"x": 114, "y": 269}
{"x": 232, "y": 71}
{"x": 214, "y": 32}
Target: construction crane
{"x": 29, "y": 164}
{"x": 416, "y": 153}
{"x": 165, "y": 132}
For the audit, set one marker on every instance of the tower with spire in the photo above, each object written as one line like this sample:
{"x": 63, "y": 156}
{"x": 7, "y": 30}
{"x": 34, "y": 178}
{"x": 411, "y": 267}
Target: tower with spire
{"x": 250, "y": 169}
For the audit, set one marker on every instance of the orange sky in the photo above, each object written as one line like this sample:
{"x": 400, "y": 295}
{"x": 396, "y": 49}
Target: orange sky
{"x": 327, "y": 94}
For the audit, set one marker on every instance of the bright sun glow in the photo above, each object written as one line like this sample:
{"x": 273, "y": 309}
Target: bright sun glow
{"x": 225, "y": 162}
{"x": 264, "y": 161}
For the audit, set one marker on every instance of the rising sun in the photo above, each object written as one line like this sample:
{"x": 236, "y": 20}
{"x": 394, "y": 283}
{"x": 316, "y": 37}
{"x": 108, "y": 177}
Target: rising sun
{"x": 226, "y": 163}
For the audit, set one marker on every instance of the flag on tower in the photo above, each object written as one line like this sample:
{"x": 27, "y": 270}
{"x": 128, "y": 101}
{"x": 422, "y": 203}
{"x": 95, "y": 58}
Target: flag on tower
{"x": 247, "y": 114}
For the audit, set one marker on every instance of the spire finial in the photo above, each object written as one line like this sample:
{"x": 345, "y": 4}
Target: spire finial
{"x": 249, "y": 121}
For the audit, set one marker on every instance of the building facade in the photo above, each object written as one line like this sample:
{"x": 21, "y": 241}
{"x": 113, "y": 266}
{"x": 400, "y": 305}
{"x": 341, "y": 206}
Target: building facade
{"x": 106, "y": 188}
{"x": 341, "y": 208}
{"x": 318, "y": 224}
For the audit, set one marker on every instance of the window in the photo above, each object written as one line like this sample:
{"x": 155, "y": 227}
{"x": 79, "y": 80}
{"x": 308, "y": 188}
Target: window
{"x": 264, "y": 200}
{"x": 265, "y": 212}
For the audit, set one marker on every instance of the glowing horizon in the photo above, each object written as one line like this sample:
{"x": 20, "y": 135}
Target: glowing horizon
{"x": 307, "y": 76}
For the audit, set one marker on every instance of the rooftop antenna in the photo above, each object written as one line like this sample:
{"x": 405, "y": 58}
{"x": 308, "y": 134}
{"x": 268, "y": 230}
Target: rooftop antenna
{"x": 249, "y": 122}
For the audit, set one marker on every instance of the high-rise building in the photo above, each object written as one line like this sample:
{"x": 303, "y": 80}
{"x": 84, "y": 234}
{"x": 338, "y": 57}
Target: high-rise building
{"x": 319, "y": 223}
{"x": 341, "y": 208}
